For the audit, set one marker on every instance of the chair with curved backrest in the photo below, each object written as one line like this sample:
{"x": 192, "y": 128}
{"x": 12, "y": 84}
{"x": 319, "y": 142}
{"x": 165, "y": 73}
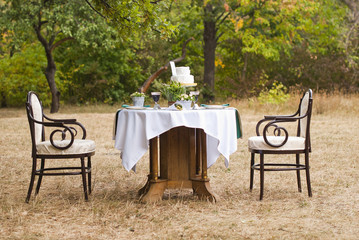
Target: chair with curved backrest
{"x": 57, "y": 148}
{"x": 277, "y": 144}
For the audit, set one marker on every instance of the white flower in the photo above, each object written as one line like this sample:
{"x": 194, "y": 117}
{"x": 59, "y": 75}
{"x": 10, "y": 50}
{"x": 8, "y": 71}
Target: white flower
{"x": 184, "y": 97}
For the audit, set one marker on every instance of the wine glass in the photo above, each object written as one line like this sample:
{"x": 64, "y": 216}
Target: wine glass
{"x": 156, "y": 98}
{"x": 195, "y": 94}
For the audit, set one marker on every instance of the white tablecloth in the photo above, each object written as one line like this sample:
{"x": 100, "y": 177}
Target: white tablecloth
{"x": 136, "y": 127}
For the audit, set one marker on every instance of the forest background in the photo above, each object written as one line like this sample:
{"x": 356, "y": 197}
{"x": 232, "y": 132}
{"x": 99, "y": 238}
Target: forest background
{"x": 101, "y": 53}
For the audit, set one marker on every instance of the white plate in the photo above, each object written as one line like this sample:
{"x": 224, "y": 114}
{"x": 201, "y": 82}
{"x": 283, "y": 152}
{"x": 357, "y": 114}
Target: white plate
{"x": 214, "y": 106}
{"x": 137, "y": 108}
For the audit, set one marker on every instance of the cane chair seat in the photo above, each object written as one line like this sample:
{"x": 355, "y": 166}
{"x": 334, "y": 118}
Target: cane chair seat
{"x": 79, "y": 146}
{"x": 293, "y": 143}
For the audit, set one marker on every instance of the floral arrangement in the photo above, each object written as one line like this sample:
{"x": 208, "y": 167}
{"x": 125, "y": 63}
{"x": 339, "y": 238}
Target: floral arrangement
{"x": 137, "y": 94}
{"x": 185, "y": 97}
{"x": 173, "y": 91}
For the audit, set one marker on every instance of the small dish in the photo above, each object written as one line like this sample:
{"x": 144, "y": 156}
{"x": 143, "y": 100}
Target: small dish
{"x": 136, "y": 108}
{"x": 215, "y": 107}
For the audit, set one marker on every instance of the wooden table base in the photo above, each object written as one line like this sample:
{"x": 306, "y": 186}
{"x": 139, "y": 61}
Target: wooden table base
{"x": 178, "y": 159}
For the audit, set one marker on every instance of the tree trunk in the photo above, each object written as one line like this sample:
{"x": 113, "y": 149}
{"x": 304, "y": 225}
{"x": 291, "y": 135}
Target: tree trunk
{"x": 3, "y": 99}
{"x": 244, "y": 72}
{"x": 50, "y": 68}
{"x": 50, "y": 76}
{"x": 210, "y": 43}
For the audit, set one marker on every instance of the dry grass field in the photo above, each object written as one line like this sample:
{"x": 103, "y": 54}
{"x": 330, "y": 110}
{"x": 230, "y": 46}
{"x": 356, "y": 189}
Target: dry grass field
{"x": 114, "y": 212}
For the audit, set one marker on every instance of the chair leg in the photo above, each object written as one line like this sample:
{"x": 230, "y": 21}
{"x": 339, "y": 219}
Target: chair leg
{"x": 89, "y": 174}
{"x": 33, "y": 170}
{"x": 261, "y": 175}
{"x": 298, "y": 173}
{"x": 83, "y": 173}
{"x": 40, "y": 176}
{"x": 307, "y": 174}
{"x": 251, "y": 172}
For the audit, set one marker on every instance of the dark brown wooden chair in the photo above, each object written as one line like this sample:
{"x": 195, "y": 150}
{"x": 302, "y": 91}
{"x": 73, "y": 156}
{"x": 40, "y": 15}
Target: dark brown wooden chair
{"x": 61, "y": 145}
{"x": 283, "y": 144}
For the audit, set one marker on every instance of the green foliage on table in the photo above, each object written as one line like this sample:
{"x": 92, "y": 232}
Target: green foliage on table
{"x": 138, "y": 94}
{"x": 172, "y": 91}
{"x": 185, "y": 97}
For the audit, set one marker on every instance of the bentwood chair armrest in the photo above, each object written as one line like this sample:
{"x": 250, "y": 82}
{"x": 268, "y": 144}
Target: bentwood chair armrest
{"x": 67, "y": 125}
{"x": 272, "y": 121}
{"x": 62, "y": 132}
{"x": 289, "y": 118}
{"x": 280, "y": 116}
{"x": 81, "y": 126}
{"x": 278, "y": 130}
{"x": 64, "y": 125}
{"x": 48, "y": 124}
{"x": 259, "y": 123}
{"x": 73, "y": 120}
{"x": 286, "y": 119}
{"x": 69, "y": 121}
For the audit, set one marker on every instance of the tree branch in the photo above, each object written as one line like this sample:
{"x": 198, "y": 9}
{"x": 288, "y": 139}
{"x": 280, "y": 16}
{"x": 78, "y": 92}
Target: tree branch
{"x": 220, "y": 16}
{"x": 223, "y": 19}
{"x": 59, "y": 42}
{"x": 106, "y": 4}
{"x": 219, "y": 36}
{"x": 184, "y": 50}
{"x": 37, "y": 29}
{"x": 149, "y": 80}
{"x": 52, "y": 39}
{"x": 94, "y": 9}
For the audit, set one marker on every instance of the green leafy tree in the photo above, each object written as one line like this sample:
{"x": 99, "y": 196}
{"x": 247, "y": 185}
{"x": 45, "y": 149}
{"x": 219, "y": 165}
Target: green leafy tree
{"x": 54, "y": 22}
{"x": 235, "y": 31}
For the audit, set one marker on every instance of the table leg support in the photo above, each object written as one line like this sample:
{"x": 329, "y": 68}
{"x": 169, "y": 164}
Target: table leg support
{"x": 197, "y": 167}
{"x": 204, "y": 154}
{"x": 154, "y": 187}
{"x": 154, "y": 158}
{"x": 145, "y": 188}
{"x": 198, "y": 151}
{"x": 154, "y": 191}
{"x": 203, "y": 190}
{"x": 201, "y": 185}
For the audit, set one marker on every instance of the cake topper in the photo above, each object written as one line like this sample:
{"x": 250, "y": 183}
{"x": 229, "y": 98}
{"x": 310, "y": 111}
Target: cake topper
{"x": 173, "y": 68}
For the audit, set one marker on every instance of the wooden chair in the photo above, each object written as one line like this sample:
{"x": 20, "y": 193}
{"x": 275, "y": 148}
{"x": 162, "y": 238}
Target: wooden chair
{"x": 57, "y": 149}
{"x": 277, "y": 144}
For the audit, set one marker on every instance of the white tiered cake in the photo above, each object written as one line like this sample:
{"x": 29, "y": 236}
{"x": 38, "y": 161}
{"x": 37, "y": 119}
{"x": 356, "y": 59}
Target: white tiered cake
{"x": 181, "y": 75}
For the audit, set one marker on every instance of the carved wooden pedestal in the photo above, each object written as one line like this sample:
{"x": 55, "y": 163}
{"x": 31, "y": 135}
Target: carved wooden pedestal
{"x": 178, "y": 159}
